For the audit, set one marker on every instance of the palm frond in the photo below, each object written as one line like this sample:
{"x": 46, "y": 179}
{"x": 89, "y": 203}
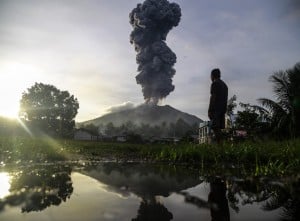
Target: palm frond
{"x": 285, "y": 109}
{"x": 272, "y": 204}
{"x": 260, "y": 109}
{"x": 281, "y": 85}
{"x": 272, "y": 105}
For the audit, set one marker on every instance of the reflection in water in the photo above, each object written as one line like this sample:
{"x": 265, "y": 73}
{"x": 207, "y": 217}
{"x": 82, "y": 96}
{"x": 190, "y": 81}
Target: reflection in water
{"x": 272, "y": 196}
{"x": 287, "y": 199}
{"x": 145, "y": 181}
{"x": 217, "y": 200}
{"x": 35, "y": 189}
{"x": 153, "y": 210}
{"x": 146, "y": 192}
{"x": 4, "y": 187}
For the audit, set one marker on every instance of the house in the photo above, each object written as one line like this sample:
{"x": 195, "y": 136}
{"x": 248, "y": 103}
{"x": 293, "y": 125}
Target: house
{"x": 204, "y": 132}
{"x": 120, "y": 138}
{"x": 113, "y": 138}
{"x": 164, "y": 140}
{"x": 84, "y": 134}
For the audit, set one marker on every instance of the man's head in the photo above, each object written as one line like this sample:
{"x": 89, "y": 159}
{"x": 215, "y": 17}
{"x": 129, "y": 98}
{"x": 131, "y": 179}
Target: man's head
{"x": 215, "y": 74}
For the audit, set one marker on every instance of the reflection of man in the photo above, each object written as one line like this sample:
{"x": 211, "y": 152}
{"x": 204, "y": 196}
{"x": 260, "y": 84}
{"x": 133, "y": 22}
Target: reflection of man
{"x": 218, "y": 202}
{"x": 217, "y": 104}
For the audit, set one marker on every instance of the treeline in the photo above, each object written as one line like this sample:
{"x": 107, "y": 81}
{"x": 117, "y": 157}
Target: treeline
{"x": 178, "y": 129}
{"x": 253, "y": 119}
{"x": 278, "y": 118}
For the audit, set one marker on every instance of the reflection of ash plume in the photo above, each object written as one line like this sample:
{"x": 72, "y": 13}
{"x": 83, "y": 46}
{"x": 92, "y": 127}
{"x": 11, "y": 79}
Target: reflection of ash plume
{"x": 153, "y": 210}
{"x": 151, "y": 22}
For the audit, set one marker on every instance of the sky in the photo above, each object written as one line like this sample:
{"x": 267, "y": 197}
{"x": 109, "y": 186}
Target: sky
{"x": 83, "y": 47}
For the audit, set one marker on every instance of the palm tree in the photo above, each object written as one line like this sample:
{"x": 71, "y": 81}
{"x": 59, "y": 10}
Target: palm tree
{"x": 285, "y": 110}
{"x": 231, "y": 105}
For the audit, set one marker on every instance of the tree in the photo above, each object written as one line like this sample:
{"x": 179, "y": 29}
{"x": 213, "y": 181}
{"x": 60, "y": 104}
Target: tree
{"x": 38, "y": 190}
{"x": 231, "y": 105}
{"x": 253, "y": 119}
{"x": 181, "y": 128}
{"x": 285, "y": 110}
{"x": 47, "y": 109}
{"x": 145, "y": 130}
{"x": 110, "y": 129}
{"x": 92, "y": 128}
{"x": 130, "y": 127}
{"x": 247, "y": 119}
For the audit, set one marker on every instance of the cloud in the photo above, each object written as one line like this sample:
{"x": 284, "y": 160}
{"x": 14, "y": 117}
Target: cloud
{"x": 121, "y": 107}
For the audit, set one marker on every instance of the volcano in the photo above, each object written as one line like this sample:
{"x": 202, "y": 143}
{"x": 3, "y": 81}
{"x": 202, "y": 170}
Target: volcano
{"x": 145, "y": 114}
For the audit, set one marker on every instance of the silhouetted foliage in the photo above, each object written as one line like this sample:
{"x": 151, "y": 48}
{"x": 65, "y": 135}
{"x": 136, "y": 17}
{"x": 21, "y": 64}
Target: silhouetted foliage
{"x": 36, "y": 188}
{"x": 92, "y": 128}
{"x": 47, "y": 109}
{"x": 253, "y": 119}
{"x": 181, "y": 127}
{"x": 231, "y": 105}
{"x": 285, "y": 110}
{"x": 273, "y": 196}
{"x": 110, "y": 129}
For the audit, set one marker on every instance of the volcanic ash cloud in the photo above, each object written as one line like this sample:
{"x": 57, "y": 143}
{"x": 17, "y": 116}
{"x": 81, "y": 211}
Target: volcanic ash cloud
{"x": 151, "y": 22}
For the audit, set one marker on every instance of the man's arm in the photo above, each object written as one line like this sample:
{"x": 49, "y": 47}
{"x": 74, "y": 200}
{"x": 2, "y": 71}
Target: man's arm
{"x": 212, "y": 100}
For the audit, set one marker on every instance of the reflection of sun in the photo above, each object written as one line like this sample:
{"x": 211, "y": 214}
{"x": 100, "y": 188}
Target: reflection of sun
{"x": 4, "y": 184}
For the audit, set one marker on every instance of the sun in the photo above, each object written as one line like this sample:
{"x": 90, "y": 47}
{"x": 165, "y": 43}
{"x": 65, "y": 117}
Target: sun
{"x": 5, "y": 184}
{"x": 10, "y": 109}
{"x": 14, "y": 79}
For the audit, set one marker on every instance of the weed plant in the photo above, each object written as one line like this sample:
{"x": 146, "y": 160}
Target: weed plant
{"x": 260, "y": 158}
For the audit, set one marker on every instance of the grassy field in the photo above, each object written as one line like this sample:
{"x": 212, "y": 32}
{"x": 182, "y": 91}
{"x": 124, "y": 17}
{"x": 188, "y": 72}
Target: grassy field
{"x": 260, "y": 158}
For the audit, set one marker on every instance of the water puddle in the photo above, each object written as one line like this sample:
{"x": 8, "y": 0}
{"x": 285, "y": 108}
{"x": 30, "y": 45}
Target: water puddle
{"x": 112, "y": 191}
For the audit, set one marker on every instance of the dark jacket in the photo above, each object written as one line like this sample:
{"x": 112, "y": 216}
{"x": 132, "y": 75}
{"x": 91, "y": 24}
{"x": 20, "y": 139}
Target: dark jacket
{"x": 218, "y": 97}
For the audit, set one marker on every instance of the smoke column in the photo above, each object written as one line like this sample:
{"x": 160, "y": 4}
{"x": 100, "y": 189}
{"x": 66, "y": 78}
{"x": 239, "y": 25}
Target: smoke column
{"x": 151, "y": 22}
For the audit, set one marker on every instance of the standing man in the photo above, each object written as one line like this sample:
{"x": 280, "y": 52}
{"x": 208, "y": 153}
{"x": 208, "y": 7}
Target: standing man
{"x": 217, "y": 104}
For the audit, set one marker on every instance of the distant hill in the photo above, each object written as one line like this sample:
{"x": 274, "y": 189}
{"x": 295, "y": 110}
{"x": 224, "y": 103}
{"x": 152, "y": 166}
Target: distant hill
{"x": 146, "y": 114}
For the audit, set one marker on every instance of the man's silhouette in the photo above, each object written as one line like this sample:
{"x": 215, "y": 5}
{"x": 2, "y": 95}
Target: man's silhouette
{"x": 217, "y": 104}
{"x": 219, "y": 209}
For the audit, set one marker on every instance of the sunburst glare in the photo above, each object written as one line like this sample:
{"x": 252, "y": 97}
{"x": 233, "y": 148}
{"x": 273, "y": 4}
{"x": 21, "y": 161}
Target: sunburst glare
{"x": 24, "y": 126}
{"x": 5, "y": 184}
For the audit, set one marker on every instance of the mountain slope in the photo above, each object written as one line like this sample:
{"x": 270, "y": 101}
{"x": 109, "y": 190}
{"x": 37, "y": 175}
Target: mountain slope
{"x": 146, "y": 114}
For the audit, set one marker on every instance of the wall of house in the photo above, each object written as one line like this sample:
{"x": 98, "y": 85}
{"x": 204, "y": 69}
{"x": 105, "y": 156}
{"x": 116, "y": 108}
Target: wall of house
{"x": 82, "y": 135}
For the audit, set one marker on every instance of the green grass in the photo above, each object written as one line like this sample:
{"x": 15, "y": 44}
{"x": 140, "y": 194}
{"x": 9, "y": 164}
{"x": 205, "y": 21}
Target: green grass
{"x": 260, "y": 158}
{"x": 22, "y": 150}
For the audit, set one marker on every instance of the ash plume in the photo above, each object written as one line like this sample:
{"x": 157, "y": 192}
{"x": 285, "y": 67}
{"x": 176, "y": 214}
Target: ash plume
{"x": 121, "y": 107}
{"x": 151, "y": 21}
